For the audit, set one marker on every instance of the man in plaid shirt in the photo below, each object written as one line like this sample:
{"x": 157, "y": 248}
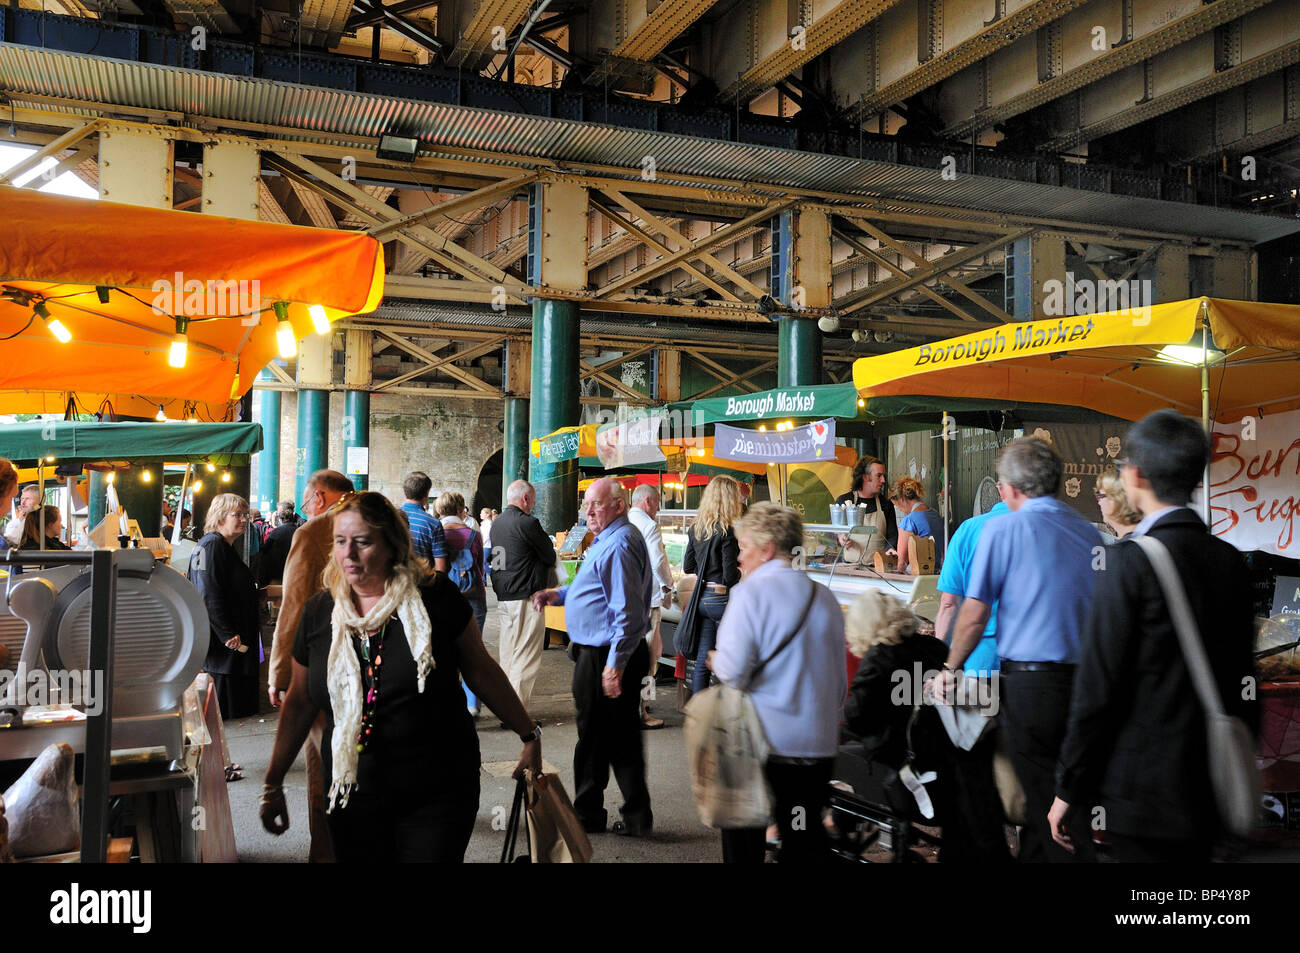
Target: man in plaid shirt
{"x": 427, "y": 539}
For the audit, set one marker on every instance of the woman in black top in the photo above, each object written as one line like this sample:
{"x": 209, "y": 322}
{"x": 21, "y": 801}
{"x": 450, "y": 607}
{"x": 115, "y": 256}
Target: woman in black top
{"x": 381, "y": 653}
{"x": 714, "y": 556}
{"x": 31, "y": 538}
{"x": 226, "y": 585}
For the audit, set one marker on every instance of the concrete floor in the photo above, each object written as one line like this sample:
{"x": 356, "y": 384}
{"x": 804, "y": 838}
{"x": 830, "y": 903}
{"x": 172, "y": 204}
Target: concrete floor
{"x": 678, "y": 836}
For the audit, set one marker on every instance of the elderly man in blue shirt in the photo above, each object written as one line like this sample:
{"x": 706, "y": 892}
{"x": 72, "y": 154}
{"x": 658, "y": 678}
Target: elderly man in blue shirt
{"x": 1037, "y": 564}
{"x": 607, "y": 614}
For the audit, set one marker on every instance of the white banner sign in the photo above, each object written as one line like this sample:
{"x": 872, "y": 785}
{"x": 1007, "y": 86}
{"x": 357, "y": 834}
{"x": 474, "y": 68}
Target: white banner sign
{"x": 1255, "y": 484}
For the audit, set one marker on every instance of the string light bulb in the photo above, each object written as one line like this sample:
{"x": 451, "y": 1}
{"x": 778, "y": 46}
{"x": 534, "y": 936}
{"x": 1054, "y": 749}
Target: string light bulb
{"x": 180, "y": 344}
{"x": 320, "y": 321}
{"x": 54, "y": 324}
{"x": 110, "y": 477}
{"x": 285, "y": 337}
{"x": 225, "y": 476}
{"x": 212, "y": 467}
{"x": 197, "y": 486}
{"x": 146, "y": 476}
{"x": 161, "y": 416}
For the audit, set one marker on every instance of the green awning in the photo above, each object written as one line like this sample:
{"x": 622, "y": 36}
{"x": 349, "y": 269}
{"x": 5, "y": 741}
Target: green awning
{"x": 818, "y": 401}
{"x": 71, "y": 441}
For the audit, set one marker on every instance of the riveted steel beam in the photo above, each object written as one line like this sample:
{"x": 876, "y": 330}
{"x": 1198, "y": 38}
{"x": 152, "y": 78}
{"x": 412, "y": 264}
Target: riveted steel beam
{"x": 1152, "y": 36}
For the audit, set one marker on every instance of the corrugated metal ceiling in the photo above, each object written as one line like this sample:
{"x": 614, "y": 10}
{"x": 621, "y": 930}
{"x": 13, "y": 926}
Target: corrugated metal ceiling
{"x": 341, "y": 117}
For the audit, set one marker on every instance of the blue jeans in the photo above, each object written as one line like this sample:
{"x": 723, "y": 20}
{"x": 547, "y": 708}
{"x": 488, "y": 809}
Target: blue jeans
{"x": 479, "y": 605}
{"x": 712, "y": 605}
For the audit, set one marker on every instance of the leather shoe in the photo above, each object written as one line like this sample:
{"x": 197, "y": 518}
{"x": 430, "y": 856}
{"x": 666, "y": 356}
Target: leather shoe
{"x": 623, "y": 829}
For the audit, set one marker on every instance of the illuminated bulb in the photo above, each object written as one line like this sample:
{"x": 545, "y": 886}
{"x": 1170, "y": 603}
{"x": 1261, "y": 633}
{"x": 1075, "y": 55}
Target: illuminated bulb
{"x": 225, "y": 476}
{"x": 762, "y": 428}
{"x": 861, "y": 402}
{"x": 161, "y": 416}
{"x": 285, "y": 339}
{"x": 212, "y": 468}
{"x": 192, "y": 420}
{"x": 197, "y": 485}
{"x": 49, "y": 459}
{"x": 176, "y": 356}
{"x": 58, "y": 330}
{"x": 110, "y": 478}
{"x": 320, "y": 321}
{"x": 146, "y": 476}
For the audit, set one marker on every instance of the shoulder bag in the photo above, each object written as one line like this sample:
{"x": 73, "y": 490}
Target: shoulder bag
{"x": 1234, "y": 776}
{"x": 728, "y": 749}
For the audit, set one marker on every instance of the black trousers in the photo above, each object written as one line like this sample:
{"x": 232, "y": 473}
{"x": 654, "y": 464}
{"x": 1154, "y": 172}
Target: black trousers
{"x": 973, "y": 824}
{"x": 1036, "y": 709}
{"x": 799, "y": 792}
{"x": 609, "y": 736}
{"x": 373, "y": 829}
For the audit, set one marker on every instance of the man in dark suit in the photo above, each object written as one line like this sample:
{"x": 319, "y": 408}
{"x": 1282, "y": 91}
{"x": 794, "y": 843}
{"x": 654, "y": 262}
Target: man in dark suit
{"x": 1136, "y": 742}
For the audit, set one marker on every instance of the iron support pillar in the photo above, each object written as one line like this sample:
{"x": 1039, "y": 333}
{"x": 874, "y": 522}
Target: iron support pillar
{"x": 514, "y": 456}
{"x": 268, "y": 458}
{"x": 313, "y": 437}
{"x": 356, "y": 433}
{"x": 554, "y": 404}
{"x": 800, "y": 279}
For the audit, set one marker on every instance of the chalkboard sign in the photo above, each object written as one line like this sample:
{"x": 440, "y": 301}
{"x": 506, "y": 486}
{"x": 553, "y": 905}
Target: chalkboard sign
{"x": 1286, "y": 596}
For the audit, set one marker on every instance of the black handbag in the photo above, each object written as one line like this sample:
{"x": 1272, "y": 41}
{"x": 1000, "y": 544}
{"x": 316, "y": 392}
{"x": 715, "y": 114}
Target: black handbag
{"x": 687, "y": 637}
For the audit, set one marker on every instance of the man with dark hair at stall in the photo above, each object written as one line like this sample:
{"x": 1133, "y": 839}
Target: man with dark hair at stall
{"x": 869, "y": 486}
{"x": 275, "y": 552}
{"x": 1136, "y": 743}
{"x": 309, "y": 553}
{"x": 1036, "y": 563}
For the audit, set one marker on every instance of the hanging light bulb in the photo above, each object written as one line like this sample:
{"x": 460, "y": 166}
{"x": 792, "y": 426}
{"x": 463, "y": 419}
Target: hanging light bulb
{"x": 110, "y": 477}
{"x": 225, "y": 476}
{"x": 284, "y": 333}
{"x": 54, "y": 324}
{"x": 212, "y": 467}
{"x": 180, "y": 344}
{"x": 161, "y": 416}
{"x": 196, "y": 486}
{"x": 320, "y": 321}
{"x": 146, "y": 476}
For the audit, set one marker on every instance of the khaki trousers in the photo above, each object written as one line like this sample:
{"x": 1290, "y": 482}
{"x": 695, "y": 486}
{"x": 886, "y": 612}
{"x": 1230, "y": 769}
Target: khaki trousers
{"x": 322, "y": 847}
{"x": 520, "y": 649}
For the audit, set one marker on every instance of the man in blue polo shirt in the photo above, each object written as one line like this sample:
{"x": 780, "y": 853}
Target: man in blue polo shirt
{"x": 607, "y": 613}
{"x": 427, "y": 538}
{"x": 1036, "y": 564}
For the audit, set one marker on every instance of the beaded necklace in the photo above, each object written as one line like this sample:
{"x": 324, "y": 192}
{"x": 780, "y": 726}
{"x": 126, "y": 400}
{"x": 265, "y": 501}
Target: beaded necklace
{"x": 370, "y": 671}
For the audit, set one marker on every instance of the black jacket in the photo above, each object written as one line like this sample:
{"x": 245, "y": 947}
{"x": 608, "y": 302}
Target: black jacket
{"x": 1136, "y": 742}
{"x": 226, "y": 586}
{"x": 270, "y": 561}
{"x": 716, "y": 559}
{"x": 891, "y": 518}
{"x": 884, "y": 691}
{"x": 527, "y": 555}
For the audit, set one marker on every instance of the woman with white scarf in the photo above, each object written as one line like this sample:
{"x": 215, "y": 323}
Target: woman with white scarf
{"x": 381, "y": 652}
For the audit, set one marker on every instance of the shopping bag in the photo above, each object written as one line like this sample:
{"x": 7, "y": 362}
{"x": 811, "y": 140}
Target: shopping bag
{"x": 512, "y": 827}
{"x": 555, "y": 835}
{"x": 727, "y": 750}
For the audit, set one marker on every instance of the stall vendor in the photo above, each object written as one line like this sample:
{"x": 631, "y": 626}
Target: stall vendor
{"x": 869, "y": 489}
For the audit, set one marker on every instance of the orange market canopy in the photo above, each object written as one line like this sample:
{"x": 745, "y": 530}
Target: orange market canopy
{"x": 223, "y": 277}
{"x": 1115, "y": 363}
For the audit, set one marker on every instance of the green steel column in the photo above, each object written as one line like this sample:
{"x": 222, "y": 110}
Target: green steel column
{"x": 356, "y": 431}
{"x": 98, "y": 502}
{"x": 268, "y": 458}
{"x": 798, "y": 352}
{"x": 313, "y": 437}
{"x": 514, "y": 454}
{"x": 140, "y": 491}
{"x": 554, "y": 404}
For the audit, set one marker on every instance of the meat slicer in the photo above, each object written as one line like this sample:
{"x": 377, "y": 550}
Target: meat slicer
{"x": 160, "y": 640}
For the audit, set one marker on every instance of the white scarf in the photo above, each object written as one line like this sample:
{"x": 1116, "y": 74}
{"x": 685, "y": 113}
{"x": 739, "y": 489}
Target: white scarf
{"x": 344, "y": 671}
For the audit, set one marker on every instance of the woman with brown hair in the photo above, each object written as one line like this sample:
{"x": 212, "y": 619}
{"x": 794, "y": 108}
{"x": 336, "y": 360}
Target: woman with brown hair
{"x": 1116, "y": 512}
{"x": 915, "y": 518}
{"x": 381, "y": 652}
{"x": 714, "y": 556}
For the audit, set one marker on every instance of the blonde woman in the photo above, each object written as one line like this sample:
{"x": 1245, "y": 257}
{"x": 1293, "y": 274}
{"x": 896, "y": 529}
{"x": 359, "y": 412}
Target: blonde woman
{"x": 714, "y": 556}
{"x": 380, "y": 652}
{"x": 228, "y": 592}
{"x": 915, "y": 518}
{"x": 1116, "y": 512}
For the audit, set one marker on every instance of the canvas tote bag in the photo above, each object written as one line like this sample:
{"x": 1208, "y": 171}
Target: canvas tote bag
{"x": 728, "y": 749}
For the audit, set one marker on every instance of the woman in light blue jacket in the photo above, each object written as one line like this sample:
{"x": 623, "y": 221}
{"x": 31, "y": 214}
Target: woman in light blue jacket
{"x": 782, "y": 638}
